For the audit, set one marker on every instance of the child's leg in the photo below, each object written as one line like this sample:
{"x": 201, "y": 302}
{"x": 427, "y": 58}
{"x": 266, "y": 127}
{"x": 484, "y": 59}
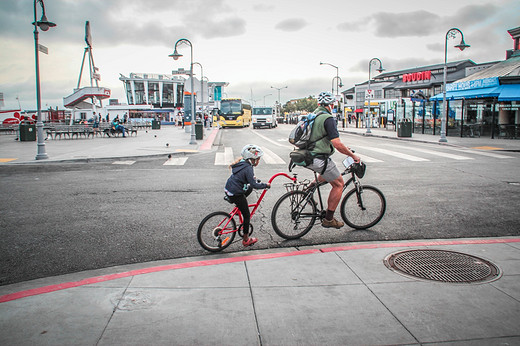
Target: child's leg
{"x": 241, "y": 203}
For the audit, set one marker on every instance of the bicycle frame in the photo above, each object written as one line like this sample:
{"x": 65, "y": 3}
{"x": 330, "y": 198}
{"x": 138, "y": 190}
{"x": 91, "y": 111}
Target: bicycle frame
{"x": 353, "y": 179}
{"x": 255, "y": 206}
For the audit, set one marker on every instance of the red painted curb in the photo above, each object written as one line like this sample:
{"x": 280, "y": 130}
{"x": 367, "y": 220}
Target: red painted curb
{"x": 209, "y": 141}
{"x": 98, "y": 279}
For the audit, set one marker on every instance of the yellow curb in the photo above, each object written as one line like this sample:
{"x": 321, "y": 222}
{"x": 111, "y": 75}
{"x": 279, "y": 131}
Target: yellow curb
{"x": 7, "y": 160}
{"x": 487, "y": 148}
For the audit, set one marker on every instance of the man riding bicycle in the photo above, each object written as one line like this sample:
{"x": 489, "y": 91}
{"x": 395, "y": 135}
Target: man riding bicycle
{"x": 325, "y": 133}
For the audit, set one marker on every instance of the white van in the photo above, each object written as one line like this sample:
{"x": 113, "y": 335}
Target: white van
{"x": 263, "y": 116}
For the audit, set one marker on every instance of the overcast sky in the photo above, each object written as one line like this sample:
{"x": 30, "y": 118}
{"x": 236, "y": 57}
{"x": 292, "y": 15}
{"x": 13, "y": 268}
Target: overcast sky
{"x": 253, "y": 45}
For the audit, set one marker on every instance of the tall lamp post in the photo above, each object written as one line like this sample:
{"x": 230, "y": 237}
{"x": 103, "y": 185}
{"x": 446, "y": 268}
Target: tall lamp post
{"x": 369, "y": 114}
{"x": 266, "y": 96}
{"x": 337, "y": 76}
{"x": 279, "y": 104}
{"x": 175, "y": 55}
{"x": 44, "y": 24}
{"x": 452, "y": 33}
{"x": 201, "y": 86}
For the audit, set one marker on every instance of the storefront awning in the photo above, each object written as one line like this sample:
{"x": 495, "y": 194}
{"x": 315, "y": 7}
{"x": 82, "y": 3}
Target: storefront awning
{"x": 469, "y": 94}
{"x": 509, "y": 92}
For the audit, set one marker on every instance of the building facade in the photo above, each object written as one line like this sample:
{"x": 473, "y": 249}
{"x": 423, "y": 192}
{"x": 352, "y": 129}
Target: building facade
{"x": 482, "y": 99}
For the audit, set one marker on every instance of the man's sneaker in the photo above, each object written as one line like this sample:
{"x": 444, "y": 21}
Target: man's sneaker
{"x": 332, "y": 223}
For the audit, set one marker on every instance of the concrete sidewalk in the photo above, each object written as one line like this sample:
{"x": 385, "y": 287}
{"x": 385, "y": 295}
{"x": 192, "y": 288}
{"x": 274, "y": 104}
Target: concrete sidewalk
{"x": 326, "y": 295}
{"x": 169, "y": 140}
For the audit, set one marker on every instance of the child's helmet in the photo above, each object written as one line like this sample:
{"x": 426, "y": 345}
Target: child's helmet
{"x": 251, "y": 151}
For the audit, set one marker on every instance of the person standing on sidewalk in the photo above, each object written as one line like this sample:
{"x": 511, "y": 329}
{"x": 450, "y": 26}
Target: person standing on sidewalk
{"x": 325, "y": 127}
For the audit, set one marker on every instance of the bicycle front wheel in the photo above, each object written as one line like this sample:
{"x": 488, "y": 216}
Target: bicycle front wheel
{"x": 363, "y": 210}
{"x": 212, "y": 233}
{"x": 293, "y": 216}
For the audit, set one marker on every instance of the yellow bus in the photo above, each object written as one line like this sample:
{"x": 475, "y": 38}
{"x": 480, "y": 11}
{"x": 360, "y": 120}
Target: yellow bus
{"x": 234, "y": 113}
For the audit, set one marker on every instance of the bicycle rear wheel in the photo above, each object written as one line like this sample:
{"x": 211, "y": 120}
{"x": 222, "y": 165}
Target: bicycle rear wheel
{"x": 293, "y": 216}
{"x": 209, "y": 233}
{"x": 364, "y": 210}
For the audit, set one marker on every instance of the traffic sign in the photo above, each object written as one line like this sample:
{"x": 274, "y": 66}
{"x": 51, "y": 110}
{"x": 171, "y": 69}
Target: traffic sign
{"x": 369, "y": 94}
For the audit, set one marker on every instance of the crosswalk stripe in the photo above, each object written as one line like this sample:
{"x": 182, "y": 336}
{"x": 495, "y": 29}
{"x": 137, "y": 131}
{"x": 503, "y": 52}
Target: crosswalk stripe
{"x": 431, "y": 152}
{"x": 176, "y": 161}
{"x": 366, "y": 158}
{"x": 225, "y": 158}
{"x": 271, "y": 158}
{"x": 123, "y": 162}
{"x": 395, "y": 154}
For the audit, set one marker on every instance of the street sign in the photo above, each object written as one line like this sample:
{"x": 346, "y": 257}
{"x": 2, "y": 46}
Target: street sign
{"x": 369, "y": 94}
{"x": 180, "y": 71}
{"x": 43, "y": 49}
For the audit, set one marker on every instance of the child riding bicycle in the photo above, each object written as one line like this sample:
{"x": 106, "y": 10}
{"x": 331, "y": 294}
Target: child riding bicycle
{"x": 241, "y": 183}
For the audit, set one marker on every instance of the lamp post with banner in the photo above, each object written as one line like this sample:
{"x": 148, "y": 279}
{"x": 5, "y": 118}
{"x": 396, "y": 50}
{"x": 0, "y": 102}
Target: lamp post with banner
{"x": 43, "y": 24}
{"x": 175, "y": 55}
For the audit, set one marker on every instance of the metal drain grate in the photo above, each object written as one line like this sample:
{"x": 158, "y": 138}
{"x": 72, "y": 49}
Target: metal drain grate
{"x": 443, "y": 266}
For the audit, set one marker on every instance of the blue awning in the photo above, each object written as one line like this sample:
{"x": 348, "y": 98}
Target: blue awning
{"x": 510, "y": 92}
{"x": 470, "y": 94}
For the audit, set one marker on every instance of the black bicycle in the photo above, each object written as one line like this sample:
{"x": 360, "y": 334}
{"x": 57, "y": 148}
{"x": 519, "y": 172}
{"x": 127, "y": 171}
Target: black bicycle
{"x": 296, "y": 211}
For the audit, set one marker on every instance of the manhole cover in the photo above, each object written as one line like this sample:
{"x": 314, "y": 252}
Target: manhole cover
{"x": 443, "y": 266}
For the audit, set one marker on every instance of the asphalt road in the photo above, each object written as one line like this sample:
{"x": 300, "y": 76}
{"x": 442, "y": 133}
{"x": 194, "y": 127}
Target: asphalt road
{"x": 63, "y": 218}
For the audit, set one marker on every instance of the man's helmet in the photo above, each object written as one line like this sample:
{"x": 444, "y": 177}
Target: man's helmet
{"x": 325, "y": 98}
{"x": 251, "y": 151}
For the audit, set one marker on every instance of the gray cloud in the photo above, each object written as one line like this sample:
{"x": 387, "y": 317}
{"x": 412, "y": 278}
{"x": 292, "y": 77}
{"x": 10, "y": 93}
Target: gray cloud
{"x": 353, "y": 26}
{"x": 292, "y": 24}
{"x": 109, "y": 25}
{"x": 417, "y": 23}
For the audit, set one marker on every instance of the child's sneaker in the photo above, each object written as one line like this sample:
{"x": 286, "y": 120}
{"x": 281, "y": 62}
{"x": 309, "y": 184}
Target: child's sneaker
{"x": 250, "y": 241}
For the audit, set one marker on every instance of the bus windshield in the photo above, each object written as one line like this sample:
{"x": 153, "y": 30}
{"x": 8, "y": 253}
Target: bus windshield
{"x": 231, "y": 107}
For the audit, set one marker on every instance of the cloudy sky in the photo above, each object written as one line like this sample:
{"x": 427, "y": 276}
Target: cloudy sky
{"x": 252, "y": 44}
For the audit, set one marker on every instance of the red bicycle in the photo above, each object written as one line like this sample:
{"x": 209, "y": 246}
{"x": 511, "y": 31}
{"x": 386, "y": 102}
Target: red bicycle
{"x": 218, "y": 230}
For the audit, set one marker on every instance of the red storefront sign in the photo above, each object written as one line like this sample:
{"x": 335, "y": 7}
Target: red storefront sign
{"x": 417, "y": 76}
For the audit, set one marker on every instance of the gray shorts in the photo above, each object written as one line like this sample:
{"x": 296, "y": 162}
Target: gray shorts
{"x": 331, "y": 172}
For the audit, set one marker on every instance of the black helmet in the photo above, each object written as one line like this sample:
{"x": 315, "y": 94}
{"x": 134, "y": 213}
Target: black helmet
{"x": 359, "y": 169}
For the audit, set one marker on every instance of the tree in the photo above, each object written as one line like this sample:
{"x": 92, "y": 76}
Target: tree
{"x": 308, "y": 104}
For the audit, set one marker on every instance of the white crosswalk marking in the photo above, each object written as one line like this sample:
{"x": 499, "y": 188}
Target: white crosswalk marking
{"x": 123, "y": 162}
{"x": 176, "y": 161}
{"x": 271, "y": 158}
{"x": 366, "y": 158}
{"x": 394, "y": 154}
{"x": 225, "y": 158}
{"x": 431, "y": 152}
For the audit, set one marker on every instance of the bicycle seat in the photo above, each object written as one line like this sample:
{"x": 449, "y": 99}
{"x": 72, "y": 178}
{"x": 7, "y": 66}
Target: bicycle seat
{"x": 226, "y": 198}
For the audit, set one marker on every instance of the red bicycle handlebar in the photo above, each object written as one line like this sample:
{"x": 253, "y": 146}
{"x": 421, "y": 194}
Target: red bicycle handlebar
{"x": 293, "y": 178}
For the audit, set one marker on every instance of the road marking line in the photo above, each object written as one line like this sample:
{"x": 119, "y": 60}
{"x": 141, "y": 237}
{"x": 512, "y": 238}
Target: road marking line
{"x": 271, "y": 158}
{"x": 432, "y": 152}
{"x": 273, "y": 141}
{"x": 395, "y": 154}
{"x": 123, "y": 162}
{"x": 225, "y": 158}
{"x": 175, "y": 161}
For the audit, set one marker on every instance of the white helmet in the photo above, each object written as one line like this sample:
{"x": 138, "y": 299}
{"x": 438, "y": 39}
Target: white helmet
{"x": 251, "y": 151}
{"x": 325, "y": 98}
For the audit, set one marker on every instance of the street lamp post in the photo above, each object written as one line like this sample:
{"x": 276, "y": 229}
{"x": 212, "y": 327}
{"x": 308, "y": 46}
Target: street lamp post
{"x": 266, "y": 96}
{"x": 279, "y": 104}
{"x": 462, "y": 45}
{"x": 337, "y": 77}
{"x": 44, "y": 24}
{"x": 175, "y": 55}
{"x": 201, "y": 87}
{"x": 369, "y": 114}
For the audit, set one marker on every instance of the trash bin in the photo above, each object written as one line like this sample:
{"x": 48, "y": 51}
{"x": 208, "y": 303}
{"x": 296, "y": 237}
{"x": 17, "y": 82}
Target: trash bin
{"x": 199, "y": 131}
{"x": 404, "y": 129}
{"x": 27, "y": 132}
{"x": 156, "y": 124}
